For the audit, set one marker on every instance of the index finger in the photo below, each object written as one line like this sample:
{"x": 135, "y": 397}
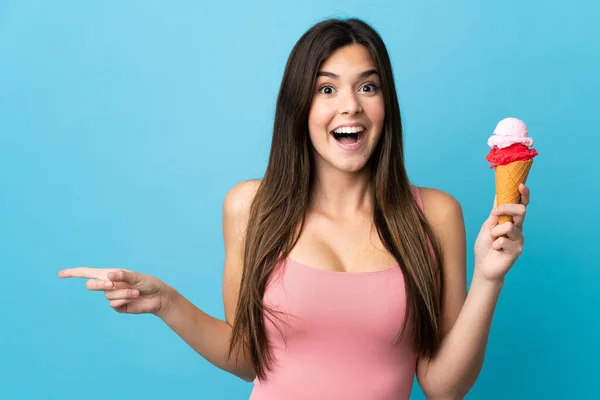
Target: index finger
{"x": 82, "y": 272}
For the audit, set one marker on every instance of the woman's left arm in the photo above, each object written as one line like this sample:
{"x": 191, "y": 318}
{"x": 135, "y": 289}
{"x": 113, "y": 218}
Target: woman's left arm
{"x": 467, "y": 318}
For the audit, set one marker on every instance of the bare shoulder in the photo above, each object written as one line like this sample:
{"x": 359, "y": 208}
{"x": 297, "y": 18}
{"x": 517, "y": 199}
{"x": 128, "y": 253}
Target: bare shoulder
{"x": 439, "y": 207}
{"x": 239, "y": 198}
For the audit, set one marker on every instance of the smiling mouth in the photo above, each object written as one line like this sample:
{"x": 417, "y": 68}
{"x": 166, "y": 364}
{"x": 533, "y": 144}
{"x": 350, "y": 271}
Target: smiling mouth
{"x": 349, "y": 136}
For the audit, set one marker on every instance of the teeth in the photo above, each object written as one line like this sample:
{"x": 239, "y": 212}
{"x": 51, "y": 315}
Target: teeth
{"x": 354, "y": 129}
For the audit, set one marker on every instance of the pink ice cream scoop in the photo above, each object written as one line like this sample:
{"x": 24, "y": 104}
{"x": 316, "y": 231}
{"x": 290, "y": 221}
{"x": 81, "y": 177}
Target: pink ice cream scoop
{"x": 508, "y": 132}
{"x": 509, "y": 143}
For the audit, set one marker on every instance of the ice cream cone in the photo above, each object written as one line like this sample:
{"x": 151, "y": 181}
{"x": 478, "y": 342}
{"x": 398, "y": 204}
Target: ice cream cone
{"x": 508, "y": 178}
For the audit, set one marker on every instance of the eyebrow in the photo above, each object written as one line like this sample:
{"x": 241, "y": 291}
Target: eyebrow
{"x": 362, "y": 75}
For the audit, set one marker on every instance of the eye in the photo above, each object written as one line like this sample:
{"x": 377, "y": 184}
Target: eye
{"x": 326, "y": 89}
{"x": 370, "y": 86}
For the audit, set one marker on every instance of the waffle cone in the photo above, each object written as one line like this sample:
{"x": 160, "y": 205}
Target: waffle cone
{"x": 508, "y": 178}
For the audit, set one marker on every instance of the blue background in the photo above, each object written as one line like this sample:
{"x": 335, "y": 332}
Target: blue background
{"x": 124, "y": 123}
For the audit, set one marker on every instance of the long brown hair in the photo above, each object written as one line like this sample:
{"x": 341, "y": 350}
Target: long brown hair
{"x": 279, "y": 206}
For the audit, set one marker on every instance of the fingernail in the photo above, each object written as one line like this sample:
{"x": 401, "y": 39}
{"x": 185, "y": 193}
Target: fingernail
{"x": 135, "y": 292}
{"x": 108, "y": 284}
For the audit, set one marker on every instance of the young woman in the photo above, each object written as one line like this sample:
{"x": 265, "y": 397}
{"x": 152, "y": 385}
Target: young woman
{"x": 342, "y": 279}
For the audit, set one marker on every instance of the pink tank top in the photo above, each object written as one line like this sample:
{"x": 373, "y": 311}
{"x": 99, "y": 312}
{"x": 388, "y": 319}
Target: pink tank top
{"x": 337, "y": 338}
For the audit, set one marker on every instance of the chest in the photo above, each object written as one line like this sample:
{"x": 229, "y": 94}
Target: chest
{"x": 348, "y": 245}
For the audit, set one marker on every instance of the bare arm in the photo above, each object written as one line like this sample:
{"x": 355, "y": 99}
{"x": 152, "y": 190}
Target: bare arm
{"x": 134, "y": 293}
{"x": 466, "y": 319}
{"x": 207, "y": 335}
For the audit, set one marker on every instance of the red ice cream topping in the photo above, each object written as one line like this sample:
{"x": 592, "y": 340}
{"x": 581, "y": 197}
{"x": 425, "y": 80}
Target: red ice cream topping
{"x": 515, "y": 152}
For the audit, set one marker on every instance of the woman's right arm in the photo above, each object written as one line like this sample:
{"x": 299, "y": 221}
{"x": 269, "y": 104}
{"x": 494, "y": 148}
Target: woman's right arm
{"x": 132, "y": 292}
{"x": 207, "y": 335}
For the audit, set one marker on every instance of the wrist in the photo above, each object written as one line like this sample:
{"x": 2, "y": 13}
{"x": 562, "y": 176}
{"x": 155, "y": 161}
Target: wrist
{"x": 480, "y": 278}
{"x": 168, "y": 296}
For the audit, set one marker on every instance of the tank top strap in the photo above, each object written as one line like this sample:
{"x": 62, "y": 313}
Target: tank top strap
{"x": 417, "y": 195}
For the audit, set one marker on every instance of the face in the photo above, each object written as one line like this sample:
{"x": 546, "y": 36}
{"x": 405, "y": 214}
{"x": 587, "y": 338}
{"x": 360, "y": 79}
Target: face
{"x": 347, "y": 111}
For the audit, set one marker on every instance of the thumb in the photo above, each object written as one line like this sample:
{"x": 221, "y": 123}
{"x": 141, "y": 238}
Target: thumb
{"x": 128, "y": 277}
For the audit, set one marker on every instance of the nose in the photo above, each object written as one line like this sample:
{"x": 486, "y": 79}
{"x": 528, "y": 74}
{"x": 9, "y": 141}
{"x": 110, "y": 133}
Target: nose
{"x": 349, "y": 104}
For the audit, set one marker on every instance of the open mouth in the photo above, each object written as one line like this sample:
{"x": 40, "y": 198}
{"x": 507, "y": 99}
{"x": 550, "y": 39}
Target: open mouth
{"x": 349, "y": 135}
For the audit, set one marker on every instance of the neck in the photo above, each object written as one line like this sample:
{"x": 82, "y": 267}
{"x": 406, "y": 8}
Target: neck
{"x": 340, "y": 193}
